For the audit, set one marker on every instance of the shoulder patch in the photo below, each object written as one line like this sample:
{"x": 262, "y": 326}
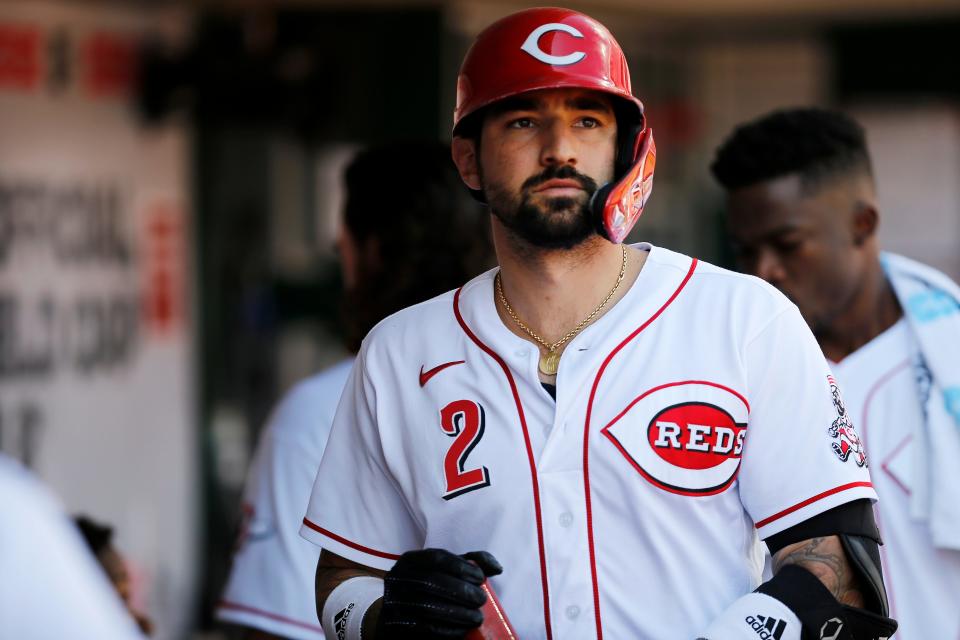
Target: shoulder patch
{"x": 844, "y": 439}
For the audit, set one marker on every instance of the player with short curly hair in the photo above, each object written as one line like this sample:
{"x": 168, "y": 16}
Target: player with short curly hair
{"x": 803, "y": 214}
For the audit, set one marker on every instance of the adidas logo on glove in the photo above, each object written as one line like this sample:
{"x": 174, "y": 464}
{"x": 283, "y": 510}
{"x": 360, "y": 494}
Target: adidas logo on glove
{"x": 766, "y": 627}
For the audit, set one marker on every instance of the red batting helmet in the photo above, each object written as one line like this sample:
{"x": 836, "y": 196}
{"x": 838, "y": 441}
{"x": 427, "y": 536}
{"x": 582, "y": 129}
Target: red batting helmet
{"x": 552, "y": 48}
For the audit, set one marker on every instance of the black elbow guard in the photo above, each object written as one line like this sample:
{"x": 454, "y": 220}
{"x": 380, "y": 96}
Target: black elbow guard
{"x": 823, "y": 617}
{"x": 864, "y": 556}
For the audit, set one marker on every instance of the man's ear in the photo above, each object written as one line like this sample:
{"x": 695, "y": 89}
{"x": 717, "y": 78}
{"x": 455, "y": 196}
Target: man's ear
{"x": 464, "y": 151}
{"x": 866, "y": 219}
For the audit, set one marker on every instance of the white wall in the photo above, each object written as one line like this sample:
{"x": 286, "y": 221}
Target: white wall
{"x": 916, "y": 156}
{"x": 96, "y": 333}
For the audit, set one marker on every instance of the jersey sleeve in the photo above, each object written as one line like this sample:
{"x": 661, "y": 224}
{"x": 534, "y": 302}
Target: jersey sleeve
{"x": 269, "y": 543}
{"x": 801, "y": 453}
{"x": 357, "y": 509}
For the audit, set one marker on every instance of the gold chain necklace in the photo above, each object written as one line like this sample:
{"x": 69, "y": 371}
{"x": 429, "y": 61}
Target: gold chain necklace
{"x": 550, "y": 361}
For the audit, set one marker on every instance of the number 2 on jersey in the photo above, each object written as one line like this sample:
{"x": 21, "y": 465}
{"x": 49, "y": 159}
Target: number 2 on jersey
{"x": 462, "y": 420}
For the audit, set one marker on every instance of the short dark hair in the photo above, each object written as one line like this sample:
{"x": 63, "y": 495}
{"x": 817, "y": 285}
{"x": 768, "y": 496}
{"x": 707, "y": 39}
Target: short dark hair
{"x": 432, "y": 236}
{"x": 98, "y": 536}
{"x": 819, "y": 144}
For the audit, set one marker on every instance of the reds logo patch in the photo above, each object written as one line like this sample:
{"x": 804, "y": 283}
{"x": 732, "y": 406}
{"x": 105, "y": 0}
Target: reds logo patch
{"x": 684, "y": 437}
{"x": 846, "y": 443}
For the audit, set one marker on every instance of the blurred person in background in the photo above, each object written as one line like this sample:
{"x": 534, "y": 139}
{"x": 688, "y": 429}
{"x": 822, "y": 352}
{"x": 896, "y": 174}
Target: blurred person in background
{"x": 410, "y": 232}
{"x": 99, "y": 539}
{"x": 803, "y": 215}
{"x": 50, "y": 586}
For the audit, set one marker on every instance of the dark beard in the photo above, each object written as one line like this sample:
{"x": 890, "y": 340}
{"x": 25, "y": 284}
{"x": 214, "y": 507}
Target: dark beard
{"x": 561, "y": 223}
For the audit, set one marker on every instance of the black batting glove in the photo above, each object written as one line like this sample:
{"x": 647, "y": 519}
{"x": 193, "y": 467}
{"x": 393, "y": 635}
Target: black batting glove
{"x": 434, "y": 594}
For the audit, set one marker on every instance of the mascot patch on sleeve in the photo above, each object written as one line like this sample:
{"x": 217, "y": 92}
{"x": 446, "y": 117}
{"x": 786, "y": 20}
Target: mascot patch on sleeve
{"x": 846, "y": 443}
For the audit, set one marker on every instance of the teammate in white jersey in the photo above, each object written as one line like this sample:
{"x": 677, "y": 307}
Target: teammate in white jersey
{"x": 50, "y": 584}
{"x": 272, "y": 572}
{"x": 803, "y": 216}
{"x": 606, "y": 432}
{"x": 428, "y": 238}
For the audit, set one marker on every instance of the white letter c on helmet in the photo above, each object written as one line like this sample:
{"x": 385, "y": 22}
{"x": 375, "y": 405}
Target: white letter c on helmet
{"x": 532, "y": 45}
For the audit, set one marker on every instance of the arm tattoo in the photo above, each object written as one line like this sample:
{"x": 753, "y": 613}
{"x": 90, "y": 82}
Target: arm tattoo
{"x": 331, "y": 571}
{"x": 824, "y": 557}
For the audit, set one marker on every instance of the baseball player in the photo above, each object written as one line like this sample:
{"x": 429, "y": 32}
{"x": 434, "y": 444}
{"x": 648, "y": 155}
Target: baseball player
{"x": 803, "y": 215}
{"x": 604, "y": 432}
{"x": 430, "y": 238}
{"x": 50, "y": 585}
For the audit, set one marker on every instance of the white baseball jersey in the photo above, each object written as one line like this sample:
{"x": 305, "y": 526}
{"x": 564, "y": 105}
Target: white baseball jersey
{"x": 879, "y": 383}
{"x": 50, "y": 584}
{"x": 271, "y": 581}
{"x": 691, "y": 420}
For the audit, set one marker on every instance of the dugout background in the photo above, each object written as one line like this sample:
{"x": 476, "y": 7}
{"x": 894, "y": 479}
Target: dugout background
{"x": 265, "y": 102}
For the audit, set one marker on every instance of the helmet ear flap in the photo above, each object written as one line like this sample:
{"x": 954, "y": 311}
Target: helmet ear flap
{"x": 617, "y": 205}
{"x": 628, "y": 140}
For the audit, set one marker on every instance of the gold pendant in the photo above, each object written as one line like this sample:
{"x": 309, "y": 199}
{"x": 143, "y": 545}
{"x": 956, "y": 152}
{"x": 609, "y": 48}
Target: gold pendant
{"x": 549, "y": 363}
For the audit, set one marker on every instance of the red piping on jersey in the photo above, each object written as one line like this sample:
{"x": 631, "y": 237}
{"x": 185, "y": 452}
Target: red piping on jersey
{"x": 888, "y": 579}
{"x": 225, "y": 604}
{"x": 886, "y": 469}
{"x": 530, "y": 458}
{"x": 586, "y": 439}
{"x": 811, "y": 500}
{"x": 352, "y": 545}
{"x": 882, "y": 380}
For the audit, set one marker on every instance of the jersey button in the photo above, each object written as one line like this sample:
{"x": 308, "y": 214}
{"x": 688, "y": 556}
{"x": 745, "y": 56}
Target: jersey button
{"x": 573, "y": 611}
{"x": 565, "y": 519}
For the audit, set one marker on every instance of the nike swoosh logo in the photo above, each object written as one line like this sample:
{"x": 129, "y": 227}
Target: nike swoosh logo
{"x": 426, "y": 375}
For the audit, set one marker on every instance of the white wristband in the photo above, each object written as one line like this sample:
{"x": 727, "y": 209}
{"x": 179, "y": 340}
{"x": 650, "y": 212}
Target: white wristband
{"x": 755, "y": 616}
{"x": 346, "y": 605}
